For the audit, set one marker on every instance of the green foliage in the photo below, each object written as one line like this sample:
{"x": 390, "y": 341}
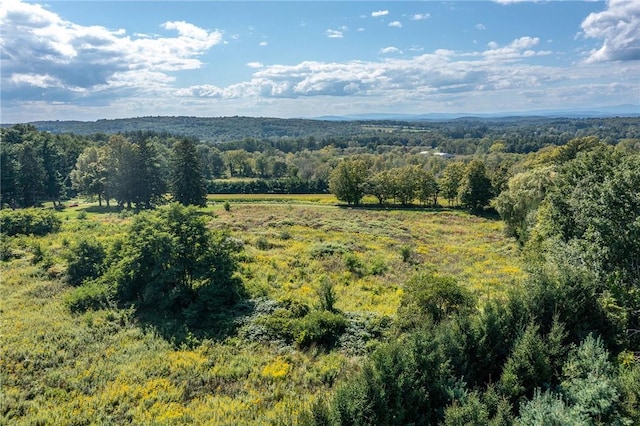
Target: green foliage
{"x": 475, "y": 190}
{"x": 406, "y": 252}
{"x": 96, "y": 294}
{"x": 348, "y": 180}
{"x": 430, "y": 297}
{"x": 469, "y": 411}
{"x": 527, "y": 368}
{"x": 171, "y": 261}
{"x": 321, "y": 250}
{"x": 326, "y": 295}
{"x": 451, "y": 179}
{"x": 319, "y": 328}
{"x": 629, "y": 388}
{"x": 90, "y": 175}
{"x": 227, "y": 206}
{"x": 588, "y": 393}
{"x": 548, "y": 409}
{"x": 263, "y": 243}
{"x": 402, "y": 383}
{"x": 187, "y": 182}
{"x": 296, "y": 323}
{"x": 589, "y": 384}
{"x": 29, "y": 221}
{"x": 85, "y": 261}
{"x": 353, "y": 264}
{"x": 518, "y": 204}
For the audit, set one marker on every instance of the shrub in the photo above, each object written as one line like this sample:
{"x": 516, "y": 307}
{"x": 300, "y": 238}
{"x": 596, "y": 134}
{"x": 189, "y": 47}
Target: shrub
{"x": 434, "y": 296}
{"x": 327, "y": 249}
{"x": 91, "y": 295}
{"x": 377, "y": 267}
{"x": 85, "y": 261}
{"x": 353, "y": 264}
{"x": 28, "y": 221}
{"x": 326, "y": 295}
{"x": 285, "y": 235}
{"x": 262, "y": 243}
{"x": 406, "y": 252}
{"x": 296, "y": 324}
{"x": 319, "y": 328}
{"x": 227, "y": 206}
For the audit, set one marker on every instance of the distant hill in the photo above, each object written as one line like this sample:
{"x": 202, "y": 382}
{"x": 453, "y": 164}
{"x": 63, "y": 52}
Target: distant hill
{"x": 210, "y": 129}
{"x": 521, "y": 133}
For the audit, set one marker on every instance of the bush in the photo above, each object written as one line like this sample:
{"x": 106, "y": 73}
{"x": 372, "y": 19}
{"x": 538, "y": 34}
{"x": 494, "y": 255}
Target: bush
{"x": 327, "y": 249}
{"x": 319, "y": 328}
{"x": 297, "y": 324}
{"x": 28, "y": 221}
{"x": 434, "y": 296}
{"x": 326, "y": 295}
{"x": 85, "y": 261}
{"x": 90, "y": 295}
{"x": 406, "y": 252}
{"x": 262, "y": 243}
{"x": 353, "y": 264}
{"x": 378, "y": 267}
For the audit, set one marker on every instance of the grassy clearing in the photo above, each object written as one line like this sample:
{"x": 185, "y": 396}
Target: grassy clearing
{"x": 327, "y": 199}
{"x": 105, "y": 367}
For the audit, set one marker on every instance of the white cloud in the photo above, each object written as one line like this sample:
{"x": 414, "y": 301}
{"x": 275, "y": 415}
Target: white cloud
{"x": 420, "y": 16}
{"x": 334, "y": 34}
{"x": 47, "y": 52}
{"x": 379, "y": 13}
{"x": 390, "y": 49}
{"x": 395, "y": 24}
{"x": 619, "y": 28}
{"x": 517, "y": 49}
{"x": 263, "y": 43}
{"x": 53, "y": 68}
{"x": 441, "y": 73}
{"x": 480, "y": 27}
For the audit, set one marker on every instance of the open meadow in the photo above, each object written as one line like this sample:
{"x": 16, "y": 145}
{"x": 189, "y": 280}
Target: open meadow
{"x": 108, "y": 366}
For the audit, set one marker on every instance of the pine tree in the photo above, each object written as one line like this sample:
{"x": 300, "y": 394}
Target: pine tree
{"x": 187, "y": 182}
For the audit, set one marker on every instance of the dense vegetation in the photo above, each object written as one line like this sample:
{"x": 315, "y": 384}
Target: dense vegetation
{"x": 257, "y": 309}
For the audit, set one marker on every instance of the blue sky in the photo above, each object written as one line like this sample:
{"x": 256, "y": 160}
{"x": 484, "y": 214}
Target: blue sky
{"x": 89, "y": 60}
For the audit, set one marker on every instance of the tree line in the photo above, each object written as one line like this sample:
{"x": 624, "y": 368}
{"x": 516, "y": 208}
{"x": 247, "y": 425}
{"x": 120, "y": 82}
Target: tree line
{"x": 464, "y": 183}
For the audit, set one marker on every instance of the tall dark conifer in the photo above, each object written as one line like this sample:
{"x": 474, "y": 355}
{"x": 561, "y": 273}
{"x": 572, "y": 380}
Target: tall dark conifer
{"x": 187, "y": 181}
{"x": 150, "y": 185}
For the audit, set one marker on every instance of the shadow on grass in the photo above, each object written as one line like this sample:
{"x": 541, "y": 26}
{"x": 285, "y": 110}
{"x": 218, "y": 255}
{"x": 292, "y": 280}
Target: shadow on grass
{"x": 103, "y": 209}
{"x": 488, "y": 213}
{"x": 180, "y": 332}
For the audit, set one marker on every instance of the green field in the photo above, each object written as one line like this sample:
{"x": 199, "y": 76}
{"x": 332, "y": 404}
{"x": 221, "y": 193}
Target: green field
{"x": 108, "y": 367}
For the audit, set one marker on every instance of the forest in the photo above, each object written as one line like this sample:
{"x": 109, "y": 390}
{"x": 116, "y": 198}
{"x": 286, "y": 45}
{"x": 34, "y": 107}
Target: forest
{"x": 466, "y": 272}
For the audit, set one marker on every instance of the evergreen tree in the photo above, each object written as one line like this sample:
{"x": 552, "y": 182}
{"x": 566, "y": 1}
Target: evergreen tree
{"x": 475, "y": 189}
{"x": 31, "y": 175}
{"x": 8, "y": 178}
{"x": 52, "y": 161}
{"x": 150, "y": 185}
{"x": 187, "y": 182}
{"x": 122, "y": 170}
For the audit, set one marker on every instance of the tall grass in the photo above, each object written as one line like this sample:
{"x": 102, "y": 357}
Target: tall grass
{"x": 104, "y": 366}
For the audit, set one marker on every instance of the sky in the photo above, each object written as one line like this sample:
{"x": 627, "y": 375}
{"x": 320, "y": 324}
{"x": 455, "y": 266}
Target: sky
{"x": 89, "y": 60}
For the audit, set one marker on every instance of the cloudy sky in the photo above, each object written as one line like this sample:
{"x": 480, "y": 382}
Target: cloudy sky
{"x": 88, "y": 60}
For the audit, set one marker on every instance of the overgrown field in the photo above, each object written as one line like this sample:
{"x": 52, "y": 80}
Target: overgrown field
{"x": 108, "y": 367}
